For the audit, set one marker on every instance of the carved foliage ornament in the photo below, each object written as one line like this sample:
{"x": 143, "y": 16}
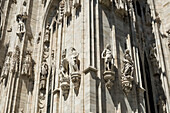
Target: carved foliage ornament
{"x": 109, "y": 74}
{"x": 127, "y": 71}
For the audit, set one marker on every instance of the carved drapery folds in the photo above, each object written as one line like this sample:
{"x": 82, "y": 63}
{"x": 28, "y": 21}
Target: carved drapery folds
{"x": 64, "y": 75}
{"x": 6, "y": 67}
{"x": 27, "y": 65}
{"x": 153, "y": 58}
{"x": 127, "y": 71}
{"x": 109, "y": 74}
{"x": 74, "y": 66}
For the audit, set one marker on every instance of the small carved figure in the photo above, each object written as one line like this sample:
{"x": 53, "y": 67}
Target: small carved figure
{"x": 15, "y": 63}
{"x": 74, "y": 63}
{"x": 21, "y": 25}
{"x": 6, "y": 67}
{"x": 47, "y": 33}
{"x": 153, "y": 51}
{"x": 43, "y": 75}
{"x": 107, "y": 55}
{"x": 64, "y": 65}
{"x": 128, "y": 66}
{"x": 27, "y": 66}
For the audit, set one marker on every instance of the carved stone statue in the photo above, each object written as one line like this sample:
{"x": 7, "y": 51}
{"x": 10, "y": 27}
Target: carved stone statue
{"x": 21, "y": 25}
{"x": 6, "y": 67}
{"x": 43, "y": 75}
{"x": 16, "y": 57}
{"x": 64, "y": 65}
{"x": 127, "y": 71}
{"x": 128, "y": 65}
{"x": 107, "y": 55}
{"x": 27, "y": 65}
{"x": 74, "y": 62}
{"x": 47, "y": 33}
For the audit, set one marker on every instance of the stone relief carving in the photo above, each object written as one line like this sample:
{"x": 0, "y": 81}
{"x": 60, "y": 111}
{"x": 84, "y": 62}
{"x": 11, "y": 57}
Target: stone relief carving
{"x": 38, "y": 38}
{"x": 109, "y": 74}
{"x": 74, "y": 66}
{"x": 6, "y": 67}
{"x": 27, "y": 65}
{"x": 64, "y": 75}
{"x": 127, "y": 71}
{"x": 153, "y": 57}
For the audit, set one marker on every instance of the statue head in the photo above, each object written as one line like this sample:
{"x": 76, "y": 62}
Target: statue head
{"x": 108, "y": 46}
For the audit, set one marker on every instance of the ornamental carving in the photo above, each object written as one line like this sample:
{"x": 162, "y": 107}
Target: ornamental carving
{"x": 21, "y": 26}
{"x": 127, "y": 72}
{"x": 27, "y": 65}
{"x": 148, "y": 18}
{"x": 109, "y": 74}
{"x": 76, "y": 3}
{"x": 43, "y": 76}
{"x": 61, "y": 10}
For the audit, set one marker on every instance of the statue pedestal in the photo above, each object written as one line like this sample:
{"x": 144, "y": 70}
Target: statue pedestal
{"x": 76, "y": 78}
{"x": 65, "y": 87}
{"x": 109, "y": 77}
{"x": 127, "y": 83}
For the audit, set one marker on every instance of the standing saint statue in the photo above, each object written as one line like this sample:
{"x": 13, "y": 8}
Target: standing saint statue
{"x": 128, "y": 64}
{"x": 107, "y": 55}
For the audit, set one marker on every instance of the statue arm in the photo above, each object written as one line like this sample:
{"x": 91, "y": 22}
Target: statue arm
{"x": 103, "y": 53}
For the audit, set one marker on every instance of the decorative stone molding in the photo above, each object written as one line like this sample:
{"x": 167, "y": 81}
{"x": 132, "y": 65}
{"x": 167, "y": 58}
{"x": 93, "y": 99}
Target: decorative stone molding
{"x": 127, "y": 71}
{"x": 27, "y": 67}
{"x": 6, "y": 67}
{"x": 153, "y": 57}
{"x": 64, "y": 75}
{"x": 61, "y": 10}
{"x": 74, "y": 66}
{"x": 109, "y": 74}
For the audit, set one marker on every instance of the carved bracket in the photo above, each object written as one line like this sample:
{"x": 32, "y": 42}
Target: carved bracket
{"x": 65, "y": 87}
{"x": 127, "y": 83}
{"x": 109, "y": 77}
{"x": 76, "y": 78}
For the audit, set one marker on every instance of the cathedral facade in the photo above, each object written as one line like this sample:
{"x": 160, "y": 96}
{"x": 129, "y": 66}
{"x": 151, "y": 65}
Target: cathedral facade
{"x": 84, "y": 56}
